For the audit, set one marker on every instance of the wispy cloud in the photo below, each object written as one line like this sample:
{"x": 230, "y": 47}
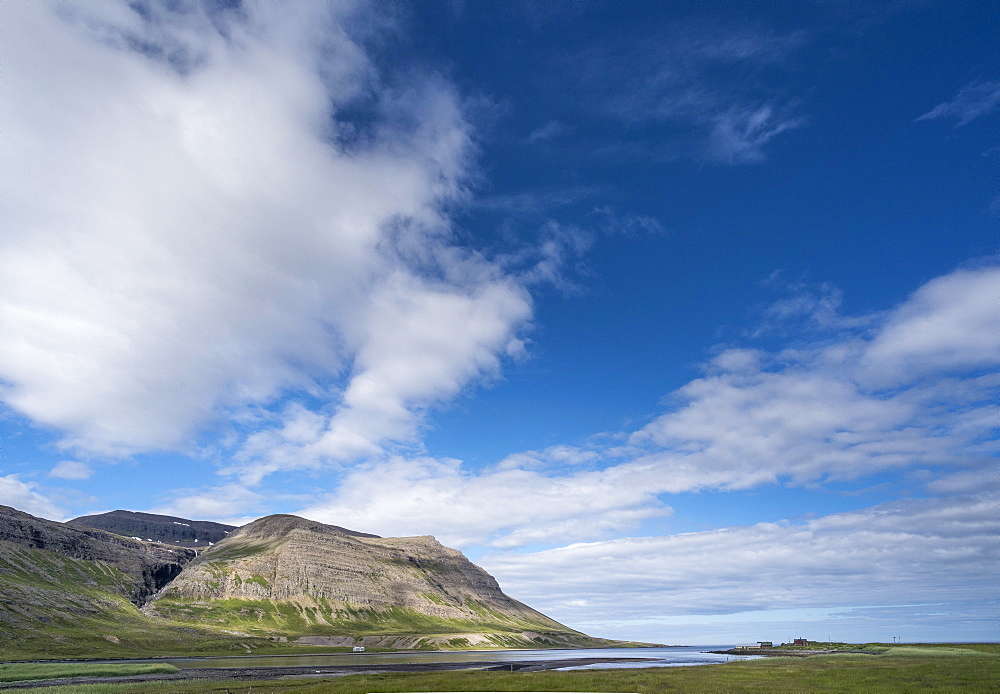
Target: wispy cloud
{"x": 546, "y": 132}
{"x": 535, "y": 202}
{"x": 974, "y": 100}
{"x": 739, "y": 135}
{"x": 710, "y": 84}
{"x": 627, "y": 224}
{"x": 806, "y": 309}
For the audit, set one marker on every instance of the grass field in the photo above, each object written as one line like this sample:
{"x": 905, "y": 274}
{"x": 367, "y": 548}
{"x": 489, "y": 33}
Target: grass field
{"x": 19, "y": 672}
{"x": 900, "y": 670}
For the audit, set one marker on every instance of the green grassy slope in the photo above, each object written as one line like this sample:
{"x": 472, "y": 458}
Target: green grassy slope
{"x": 53, "y": 606}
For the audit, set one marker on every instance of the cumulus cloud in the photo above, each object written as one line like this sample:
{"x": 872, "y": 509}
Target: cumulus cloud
{"x": 827, "y": 410}
{"x": 842, "y": 408}
{"x": 71, "y": 470}
{"x": 226, "y": 503}
{"x": 195, "y": 229}
{"x": 948, "y": 325}
{"x": 24, "y": 496}
{"x": 508, "y": 506}
{"x": 904, "y": 553}
{"x": 976, "y": 99}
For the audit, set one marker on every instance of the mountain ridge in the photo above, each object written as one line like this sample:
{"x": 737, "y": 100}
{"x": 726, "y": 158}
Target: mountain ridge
{"x": 300, "y": 578}
{"x": 150, "y": 565}
{"x": 172, "y": 530}
{"x": 283, "y": 523}
{"x": 70, "y": 590}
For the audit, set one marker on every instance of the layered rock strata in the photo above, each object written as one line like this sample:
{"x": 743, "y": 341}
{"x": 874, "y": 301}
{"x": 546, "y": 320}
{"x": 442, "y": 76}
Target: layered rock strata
{"x": 335, "y": 578}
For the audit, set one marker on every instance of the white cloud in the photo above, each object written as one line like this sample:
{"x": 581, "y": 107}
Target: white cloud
{"x": 976, "y": 99}
{"x": 973, "y": 481}
{"x": 840, "y": 408}
{"x": 803, "y": 416}
{"x": 193, "y": 228}
{"x": 904, "y": 553}
{"x": 24, "y": 496}
{"x": 422, "y": 342}
{"x": 739, "y": 135}
{"x": 806, "y": 308}
{"x": 704, "y": 77}
{"x": 508, "y": 506}
{"x": 224, "y": 504}
{"x": 553, "y": 457}
{"x": 546, "y": 132}
{"x": 71, "y": 470}
{"x": 949, "y": 324}
{"x": 628, "y": 225}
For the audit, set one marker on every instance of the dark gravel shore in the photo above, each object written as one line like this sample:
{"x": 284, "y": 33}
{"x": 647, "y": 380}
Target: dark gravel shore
{"x": 275, "y": 673}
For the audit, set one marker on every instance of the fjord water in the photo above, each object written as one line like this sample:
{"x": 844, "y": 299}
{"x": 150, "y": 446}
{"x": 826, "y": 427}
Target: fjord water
{"x": 652, "y": 657}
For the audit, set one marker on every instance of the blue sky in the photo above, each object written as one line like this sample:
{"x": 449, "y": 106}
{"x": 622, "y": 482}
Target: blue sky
{"x": 679, "y": 318}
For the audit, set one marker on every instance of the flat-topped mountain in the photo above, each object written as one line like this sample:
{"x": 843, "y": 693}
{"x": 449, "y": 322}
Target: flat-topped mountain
{"x": 288, "y": 575}
{"x": 170, "y": 530}
{"x": 70, "y": 590}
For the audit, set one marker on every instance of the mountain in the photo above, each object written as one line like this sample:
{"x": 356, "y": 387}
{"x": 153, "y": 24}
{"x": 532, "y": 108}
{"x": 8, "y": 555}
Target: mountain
{"x": 293, "y": 578}
{"x": 69, "y": 590}
{"x": 140, "y": 568}
{"x": 151, "y": 527}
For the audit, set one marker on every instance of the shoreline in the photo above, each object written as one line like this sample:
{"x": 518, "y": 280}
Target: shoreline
{"x": 277, "y": 673}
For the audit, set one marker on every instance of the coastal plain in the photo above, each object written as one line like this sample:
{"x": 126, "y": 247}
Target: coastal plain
{"x": 900, "y": 669}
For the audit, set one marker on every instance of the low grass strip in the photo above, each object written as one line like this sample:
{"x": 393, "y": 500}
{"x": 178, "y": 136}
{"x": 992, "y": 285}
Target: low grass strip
{"x": 21, "y": 672}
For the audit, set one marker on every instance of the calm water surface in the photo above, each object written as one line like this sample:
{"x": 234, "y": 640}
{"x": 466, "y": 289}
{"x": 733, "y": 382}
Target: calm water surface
{"x": 656, "y": 657}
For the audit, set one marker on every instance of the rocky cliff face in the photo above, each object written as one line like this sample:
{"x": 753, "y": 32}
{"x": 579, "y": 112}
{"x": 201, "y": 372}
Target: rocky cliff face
{"x": 72, "y": 592}
{"x": 152, "y": 527}
{"x": 147, "y": 566}
{"x": 288, "y": 574}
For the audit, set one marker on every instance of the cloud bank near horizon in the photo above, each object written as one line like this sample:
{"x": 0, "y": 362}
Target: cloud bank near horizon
{"x": 934, "y": 556}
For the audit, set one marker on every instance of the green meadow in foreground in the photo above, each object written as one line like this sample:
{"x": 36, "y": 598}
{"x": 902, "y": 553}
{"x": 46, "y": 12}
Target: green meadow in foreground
{"x": 901, "y": 669}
